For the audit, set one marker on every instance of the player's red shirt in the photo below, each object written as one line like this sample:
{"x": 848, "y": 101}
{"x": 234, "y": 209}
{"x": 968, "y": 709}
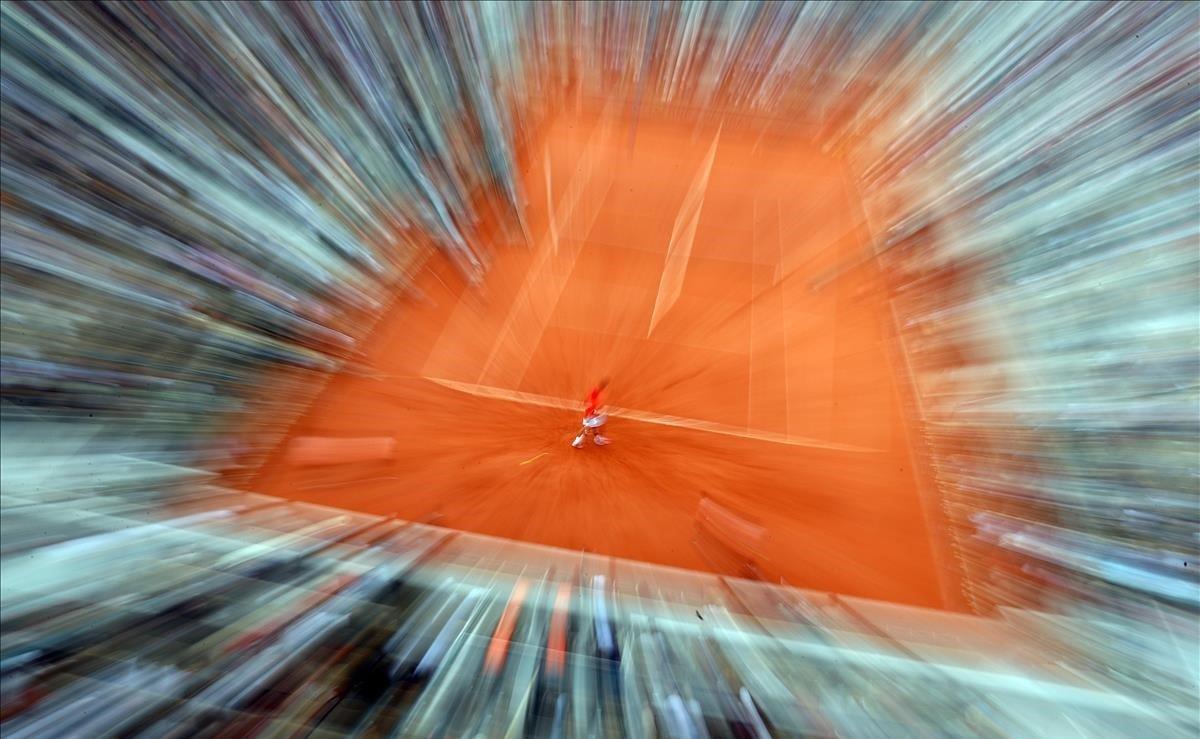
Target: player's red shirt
{"x": 593, "y": 401}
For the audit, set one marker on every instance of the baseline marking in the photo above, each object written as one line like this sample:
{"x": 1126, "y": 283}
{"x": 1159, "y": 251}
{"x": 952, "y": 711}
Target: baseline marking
{"x": 658, "y": 419}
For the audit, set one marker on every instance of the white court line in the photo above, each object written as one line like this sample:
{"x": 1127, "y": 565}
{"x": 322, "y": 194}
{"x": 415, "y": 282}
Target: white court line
{"x": 787, "y": 388}
{"x": 658, "y": 419}
{"x": 753, "y": 287}
{"x": 683, "y": 235}
{"x": 550, "y": 199}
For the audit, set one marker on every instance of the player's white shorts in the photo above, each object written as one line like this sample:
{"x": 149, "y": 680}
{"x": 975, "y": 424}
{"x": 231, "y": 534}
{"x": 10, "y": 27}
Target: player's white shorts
{"x": 596, "y": 421}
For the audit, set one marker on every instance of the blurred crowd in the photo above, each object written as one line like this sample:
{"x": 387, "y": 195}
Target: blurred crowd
{"x": 216, "y": 613}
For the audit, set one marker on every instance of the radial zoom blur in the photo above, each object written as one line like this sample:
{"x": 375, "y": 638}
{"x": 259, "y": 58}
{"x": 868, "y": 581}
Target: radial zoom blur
{"x": 571, "y": 369}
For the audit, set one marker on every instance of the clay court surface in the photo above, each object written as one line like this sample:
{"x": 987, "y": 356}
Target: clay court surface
{"x": 717, "y": 276}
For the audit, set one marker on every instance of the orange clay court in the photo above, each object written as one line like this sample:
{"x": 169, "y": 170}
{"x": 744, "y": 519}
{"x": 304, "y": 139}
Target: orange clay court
{"x": 716, "y": 275}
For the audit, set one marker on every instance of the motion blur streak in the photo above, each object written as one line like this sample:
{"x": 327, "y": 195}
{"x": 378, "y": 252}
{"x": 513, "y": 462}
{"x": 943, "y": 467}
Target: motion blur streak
{"x": 301, "y": 302}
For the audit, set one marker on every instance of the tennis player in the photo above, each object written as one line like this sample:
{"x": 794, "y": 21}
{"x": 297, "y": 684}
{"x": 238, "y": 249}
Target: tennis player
{"x": 594, "y": 418}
